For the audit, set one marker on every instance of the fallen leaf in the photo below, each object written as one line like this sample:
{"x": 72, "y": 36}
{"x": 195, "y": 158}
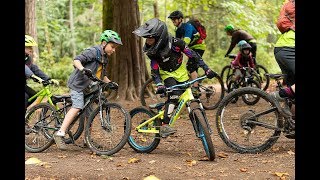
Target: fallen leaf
{"x": 32, "y": 160}
{"x": 291, "y": 152}
{"x": 280, "y": 174}
{"x": 134, "y": 160}
{"x": 152, "y": 161}
{"x": 222, "y": 155}
{"x": 151, "y": 177}
{"x": 62, "y": 156}
{"x": 243, "y": 169}
{"x": 191, "y": 162}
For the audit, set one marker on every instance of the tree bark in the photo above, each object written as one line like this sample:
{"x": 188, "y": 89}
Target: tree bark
{"x": 155, "y": 9}
{"x": 46, "y": 29}
{"x": 127, "y": 65}
{"x": 73, "y": 44}
{"x": 31, "y": 25}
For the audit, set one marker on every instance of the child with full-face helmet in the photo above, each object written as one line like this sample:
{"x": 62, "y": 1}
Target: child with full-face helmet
{"x": 166, "y": 55}
{"x": 243, "y": 59}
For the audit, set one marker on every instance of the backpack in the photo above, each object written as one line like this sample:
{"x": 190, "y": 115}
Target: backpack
{"x": 200, "y": 28}
{"x": 286, "y": 19}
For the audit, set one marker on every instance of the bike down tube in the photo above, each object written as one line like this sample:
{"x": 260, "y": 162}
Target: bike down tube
{"x": 184, "y": 98}
{"x": 153, "y": 130}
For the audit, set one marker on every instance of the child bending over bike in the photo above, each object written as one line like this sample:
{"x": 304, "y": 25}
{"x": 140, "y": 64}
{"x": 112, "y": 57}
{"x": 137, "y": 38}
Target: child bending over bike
{"x": 91, "y": 61}
{"x": 166, "y": 55}
{"x": 32, "y": 70}
{"x": 243, "y": 59}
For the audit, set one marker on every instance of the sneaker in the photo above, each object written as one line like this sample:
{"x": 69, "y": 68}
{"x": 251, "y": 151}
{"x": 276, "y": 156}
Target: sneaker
{"x": 166, "y": 130}
{"x": 60, "y": 142}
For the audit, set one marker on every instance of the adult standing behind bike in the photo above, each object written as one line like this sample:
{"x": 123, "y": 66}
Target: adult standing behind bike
{"x": 165, "y": 53}
{"x": 189, "y": 34}
{"x": 91, "y": 61}
{"x": 236, "y": 36}
{"x": 284, "y": 53}
{"x": 32, "y": 70}
{"x": 243, "y": 59}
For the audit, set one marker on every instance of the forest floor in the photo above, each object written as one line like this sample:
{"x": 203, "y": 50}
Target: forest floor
{"x": 179, "y": 156}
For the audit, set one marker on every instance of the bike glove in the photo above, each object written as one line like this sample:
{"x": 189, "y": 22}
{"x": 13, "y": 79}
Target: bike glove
{"x": 87, "y": 72}
{"x": 210, "y": 74}
{"x": 54, "y": 81}
{"x": 161, "y": 89}
{"x": 36, "y": 78}
{"x": 113, "y": 85}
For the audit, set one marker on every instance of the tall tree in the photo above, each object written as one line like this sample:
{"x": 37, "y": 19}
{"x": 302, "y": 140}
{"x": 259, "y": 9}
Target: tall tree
{"x": 127, "y": 66}
{"x": 30, "y": 23}
{"x": 155, "y": 8}
{"x": 73, "y": 44}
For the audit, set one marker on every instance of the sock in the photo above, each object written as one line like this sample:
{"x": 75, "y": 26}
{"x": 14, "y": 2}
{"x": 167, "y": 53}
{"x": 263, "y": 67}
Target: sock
{"x": 60, "y": 133}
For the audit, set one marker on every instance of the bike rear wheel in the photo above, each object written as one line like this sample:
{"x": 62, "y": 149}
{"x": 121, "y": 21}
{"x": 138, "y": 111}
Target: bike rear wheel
{"x": 203, "y": 133}
{"x": 211, "y": 95}
{"x": 148, "y": 94}
{"x": 107, "y": 135}
{"x": 225, "y": 73}
{"x": 265, "y": 80}
{"x": 247, "y": 128}
{"x": 40, "y": 124}
{"x": 139, "y": 141}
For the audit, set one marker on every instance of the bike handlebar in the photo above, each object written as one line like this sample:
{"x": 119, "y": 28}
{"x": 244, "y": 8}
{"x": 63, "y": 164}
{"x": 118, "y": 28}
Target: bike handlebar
{"x": 186, "y": 84}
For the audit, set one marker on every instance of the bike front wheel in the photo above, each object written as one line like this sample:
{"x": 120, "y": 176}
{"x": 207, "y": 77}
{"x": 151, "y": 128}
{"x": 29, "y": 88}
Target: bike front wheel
{"x": 107, "y": 131}
{"x": 248, "y": 128}
{"x": 203, "y": 133}
{"x": 40, "y": 124}
{"x": 139, "y": 141}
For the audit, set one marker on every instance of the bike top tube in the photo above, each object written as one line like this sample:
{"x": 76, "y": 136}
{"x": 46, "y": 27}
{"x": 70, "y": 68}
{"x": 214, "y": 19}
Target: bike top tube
{"x": 186, "y": 84}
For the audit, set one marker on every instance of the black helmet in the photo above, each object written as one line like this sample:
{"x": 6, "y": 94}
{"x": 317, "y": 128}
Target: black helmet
{"x": 176, "y": 14}
{"x": 154, "y": 28}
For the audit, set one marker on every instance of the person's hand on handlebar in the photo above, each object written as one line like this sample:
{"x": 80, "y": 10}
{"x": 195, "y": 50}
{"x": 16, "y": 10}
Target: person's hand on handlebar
{"x": 87, "y": 72}
{"x": 161, "y": 89}
{"x": 210, "y": 74}
{"x": 113, "y": 85}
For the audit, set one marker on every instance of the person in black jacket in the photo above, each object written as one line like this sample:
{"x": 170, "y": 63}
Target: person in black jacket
{"x": 166, "y": 55}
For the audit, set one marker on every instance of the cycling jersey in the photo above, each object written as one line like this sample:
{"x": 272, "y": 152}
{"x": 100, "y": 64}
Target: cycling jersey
{"x": 190, "y": 35}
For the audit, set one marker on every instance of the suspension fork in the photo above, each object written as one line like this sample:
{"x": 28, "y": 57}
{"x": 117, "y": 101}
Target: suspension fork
{"x": 192, "y": 116}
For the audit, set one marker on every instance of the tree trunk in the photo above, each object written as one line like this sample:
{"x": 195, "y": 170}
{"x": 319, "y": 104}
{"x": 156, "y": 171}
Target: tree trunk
{"x": 155, "y": 9}
{"x": 127, "y": 65}
{"x": 73, "y": 44}
{"x": 46, "y": 29}
{"x": 30, "y": 24}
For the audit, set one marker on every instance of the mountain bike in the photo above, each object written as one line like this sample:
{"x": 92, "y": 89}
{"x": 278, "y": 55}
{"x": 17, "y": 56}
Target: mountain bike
{"x": 210, "y": 94}
{"x": 145, "y": 134}
{"x": 58, "y": 101}
{"x": 106, "y": 131}
{"x": 260, "y": 72}
{"x": 254, "y": 128}
{"x": 246, "y": 80}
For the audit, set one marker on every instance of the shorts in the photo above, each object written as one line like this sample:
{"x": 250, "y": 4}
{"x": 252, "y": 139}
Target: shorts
{"x": 77, "y": 99}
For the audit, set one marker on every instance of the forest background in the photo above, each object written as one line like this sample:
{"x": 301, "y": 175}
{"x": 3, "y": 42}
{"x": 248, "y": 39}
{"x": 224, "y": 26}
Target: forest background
{"x": 64, "y": 28}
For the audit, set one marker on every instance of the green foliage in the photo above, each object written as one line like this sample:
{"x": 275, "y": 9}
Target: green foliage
{"x": 258, "y": 17}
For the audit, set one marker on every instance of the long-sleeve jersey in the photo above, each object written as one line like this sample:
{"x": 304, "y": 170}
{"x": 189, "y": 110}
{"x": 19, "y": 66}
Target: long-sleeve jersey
{"x": 241, "y": 61}
{"x": 31, "y": 69}
{"x": 173, "y": 59}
